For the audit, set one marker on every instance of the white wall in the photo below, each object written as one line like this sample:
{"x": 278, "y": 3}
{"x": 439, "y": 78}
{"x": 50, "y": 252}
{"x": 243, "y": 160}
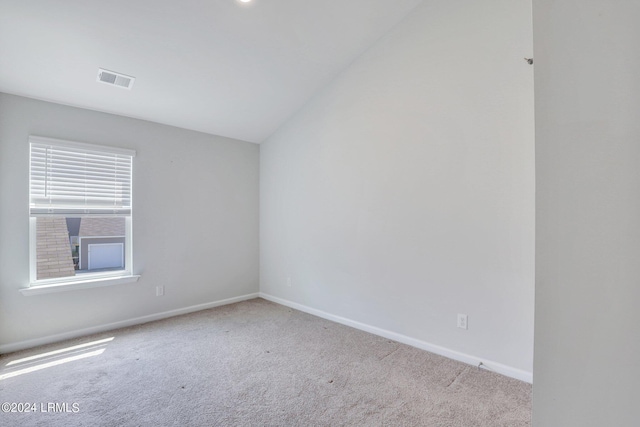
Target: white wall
{"x": 200, "y": 242}
{"x": 587, "y": 345}
{"x": 403, "y": 193}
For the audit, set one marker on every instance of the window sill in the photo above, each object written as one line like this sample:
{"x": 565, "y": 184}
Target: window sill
{"x": 84, "y": 284}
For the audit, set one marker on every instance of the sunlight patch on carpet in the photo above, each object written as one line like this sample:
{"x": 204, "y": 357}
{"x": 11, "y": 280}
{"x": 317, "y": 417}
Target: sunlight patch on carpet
{"x": 56, "y": 357}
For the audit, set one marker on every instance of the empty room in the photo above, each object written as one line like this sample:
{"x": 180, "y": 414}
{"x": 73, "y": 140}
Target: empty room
{"x": 319, "y": 213}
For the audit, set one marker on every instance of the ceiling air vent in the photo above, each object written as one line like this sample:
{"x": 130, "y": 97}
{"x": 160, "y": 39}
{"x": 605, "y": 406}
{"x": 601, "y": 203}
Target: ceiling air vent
{"x": 115, "y": 79}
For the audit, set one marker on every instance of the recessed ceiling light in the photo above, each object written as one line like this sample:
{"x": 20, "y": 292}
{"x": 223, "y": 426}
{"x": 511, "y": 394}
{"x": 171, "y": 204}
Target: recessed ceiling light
{"x": 245, "y": 1}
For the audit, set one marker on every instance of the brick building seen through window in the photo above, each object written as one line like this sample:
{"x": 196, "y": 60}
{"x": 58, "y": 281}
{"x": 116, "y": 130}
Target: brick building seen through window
{"x": 72, "y": 246}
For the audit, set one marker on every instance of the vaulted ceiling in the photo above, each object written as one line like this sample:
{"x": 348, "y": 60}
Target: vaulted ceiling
{"x": 217, "y": 66}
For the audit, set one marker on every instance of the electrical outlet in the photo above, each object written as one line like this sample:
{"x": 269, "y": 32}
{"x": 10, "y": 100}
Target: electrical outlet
{"x": 159, "y": 291}
{"x": 289, "y": 281}
{"x": 462, "y": 321}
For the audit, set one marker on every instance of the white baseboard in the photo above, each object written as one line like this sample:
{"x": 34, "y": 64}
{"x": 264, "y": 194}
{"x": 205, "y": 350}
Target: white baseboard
{"x": 22, "y": 345}
{"x": 423, "y": 345}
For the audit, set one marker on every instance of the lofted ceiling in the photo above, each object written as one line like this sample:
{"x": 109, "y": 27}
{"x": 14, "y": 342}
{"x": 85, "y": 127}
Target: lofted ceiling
{"x": 217, "y": 66}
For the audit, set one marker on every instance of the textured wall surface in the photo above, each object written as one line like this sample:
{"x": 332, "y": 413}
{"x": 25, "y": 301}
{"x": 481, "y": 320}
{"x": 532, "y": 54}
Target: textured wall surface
{"x": 403, "y": 193}
{"x": 587, "y": 93}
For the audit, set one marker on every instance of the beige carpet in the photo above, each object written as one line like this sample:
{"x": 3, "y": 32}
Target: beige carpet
{"x": 253, "y": 363}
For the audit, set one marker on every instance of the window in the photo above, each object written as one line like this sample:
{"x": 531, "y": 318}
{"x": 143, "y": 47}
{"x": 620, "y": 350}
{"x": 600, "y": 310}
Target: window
{"x": 80, "y": 212}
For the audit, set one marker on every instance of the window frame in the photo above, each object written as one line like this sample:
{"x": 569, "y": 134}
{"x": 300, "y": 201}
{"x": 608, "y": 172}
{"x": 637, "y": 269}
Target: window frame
{"x": 86, "y": 280}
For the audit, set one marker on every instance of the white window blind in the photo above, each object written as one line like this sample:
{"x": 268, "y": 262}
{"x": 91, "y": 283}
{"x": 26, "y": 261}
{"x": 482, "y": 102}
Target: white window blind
{"x": 75, "y": 178}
